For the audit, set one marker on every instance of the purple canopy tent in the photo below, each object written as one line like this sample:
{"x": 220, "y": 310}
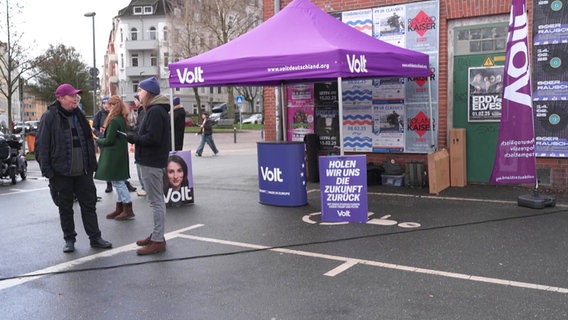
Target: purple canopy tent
{"x": 299, "y": 43}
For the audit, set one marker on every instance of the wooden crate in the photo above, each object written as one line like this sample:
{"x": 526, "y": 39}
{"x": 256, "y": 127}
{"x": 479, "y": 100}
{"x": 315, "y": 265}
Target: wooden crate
{"x": 458, "y": 169}
{"x": 438, "y": 171}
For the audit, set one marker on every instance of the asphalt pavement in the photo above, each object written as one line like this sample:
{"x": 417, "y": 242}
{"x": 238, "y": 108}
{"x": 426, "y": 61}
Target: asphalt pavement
{"x": 465, "y": 253}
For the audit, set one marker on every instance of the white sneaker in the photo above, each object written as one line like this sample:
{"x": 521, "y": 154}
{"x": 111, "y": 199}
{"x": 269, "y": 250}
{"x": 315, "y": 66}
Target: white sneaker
{"x": 141, "y": 192}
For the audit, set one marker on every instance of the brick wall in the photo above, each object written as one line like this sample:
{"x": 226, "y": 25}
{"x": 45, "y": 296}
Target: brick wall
{"x": 449, "y": 10}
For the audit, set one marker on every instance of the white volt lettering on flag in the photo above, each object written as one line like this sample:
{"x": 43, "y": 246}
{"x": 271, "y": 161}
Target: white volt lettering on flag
{"x": 357, "y": 65}
{"x": 190, "y": 77}
{"x": 519, "y": 52}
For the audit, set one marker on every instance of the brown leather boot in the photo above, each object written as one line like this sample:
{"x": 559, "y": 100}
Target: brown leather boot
{"x": 116, "y": 211}
{"x": 127, "y": 212}
{"x": 153, "y": 248}
{"x": 145, "y": 241}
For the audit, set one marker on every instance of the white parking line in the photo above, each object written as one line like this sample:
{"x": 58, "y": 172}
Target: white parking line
{"x": 350, "y": 262}
{"x": 346, "y": 264}
{"x": 70, "y": 264}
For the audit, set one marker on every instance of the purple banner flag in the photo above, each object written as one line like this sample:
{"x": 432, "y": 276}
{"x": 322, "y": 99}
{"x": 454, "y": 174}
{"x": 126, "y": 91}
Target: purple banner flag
{"x": 515, "y": 161}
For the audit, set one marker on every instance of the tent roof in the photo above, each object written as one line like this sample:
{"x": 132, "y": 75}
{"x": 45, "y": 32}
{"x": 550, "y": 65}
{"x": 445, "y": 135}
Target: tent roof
{"x": 299, "y": 43}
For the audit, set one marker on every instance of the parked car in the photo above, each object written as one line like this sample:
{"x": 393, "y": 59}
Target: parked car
{"x": 20, "y": 126}
{"x": 33, "y": 124}
{"x": 255, "y": 118}
{"x": 189, "y": 122}
{"x": 215, "y": 117}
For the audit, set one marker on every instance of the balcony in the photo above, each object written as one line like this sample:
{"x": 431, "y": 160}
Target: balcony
{"x": 141, "y": 71}
{"x": 141, "y": 44}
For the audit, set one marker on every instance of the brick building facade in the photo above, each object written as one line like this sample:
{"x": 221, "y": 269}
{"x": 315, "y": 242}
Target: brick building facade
{"x": 552, "y": 172}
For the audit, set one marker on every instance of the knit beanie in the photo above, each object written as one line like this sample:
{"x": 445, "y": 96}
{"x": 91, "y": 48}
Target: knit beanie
{"x": 176, "y": 101}
{"x": 151, "y": 85}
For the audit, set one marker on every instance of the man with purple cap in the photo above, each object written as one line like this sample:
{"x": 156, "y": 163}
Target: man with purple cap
{"x": 65, "y": 151}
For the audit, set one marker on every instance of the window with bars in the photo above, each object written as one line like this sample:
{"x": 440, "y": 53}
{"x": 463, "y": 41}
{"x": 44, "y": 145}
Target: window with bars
{"x": 481, "y": 39}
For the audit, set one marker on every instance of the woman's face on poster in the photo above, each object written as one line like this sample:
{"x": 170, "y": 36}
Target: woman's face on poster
{"x": 175, "y": 174}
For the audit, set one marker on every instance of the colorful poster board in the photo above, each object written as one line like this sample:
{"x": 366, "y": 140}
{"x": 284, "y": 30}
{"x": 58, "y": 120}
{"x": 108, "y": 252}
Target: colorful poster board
{"x": 550, "y": 77}
{"x": 300, "y": 122}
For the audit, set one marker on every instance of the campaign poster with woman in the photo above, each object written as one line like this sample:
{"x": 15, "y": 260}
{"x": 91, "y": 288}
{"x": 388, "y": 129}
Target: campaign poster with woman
{"x": 178, "y": 179}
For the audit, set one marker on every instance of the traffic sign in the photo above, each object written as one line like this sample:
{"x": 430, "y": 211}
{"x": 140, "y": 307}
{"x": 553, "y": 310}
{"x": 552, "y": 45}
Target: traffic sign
{"x": 239, "y": 99}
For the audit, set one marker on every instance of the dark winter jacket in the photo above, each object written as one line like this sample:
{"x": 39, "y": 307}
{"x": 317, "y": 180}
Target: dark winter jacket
{"x": 179, "y": 126}
{"x": 53, "y": 144}
{"x": 153, "y": 142}
{"x": 98, "y": 122}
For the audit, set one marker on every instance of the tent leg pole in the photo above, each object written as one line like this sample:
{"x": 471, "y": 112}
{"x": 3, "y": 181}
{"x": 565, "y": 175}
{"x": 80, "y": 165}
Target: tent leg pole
{"x": 172, "y": 135}
{"x": 433, "y": 145}
{"x": 340, "y": 101}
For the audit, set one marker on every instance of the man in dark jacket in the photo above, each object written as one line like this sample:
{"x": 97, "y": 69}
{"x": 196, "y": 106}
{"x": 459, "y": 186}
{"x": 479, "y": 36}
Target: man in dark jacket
{"x": 179, "y": 124}
{"x": 65, "y": 152}
{"x": 152, "y": 148}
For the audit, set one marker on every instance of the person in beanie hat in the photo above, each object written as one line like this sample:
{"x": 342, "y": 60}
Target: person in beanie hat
{"x": 152, "y": 147}
{"x": 69, "y": 166}
{"x": 179, "y": 124}
{"x": 150, "y": 85}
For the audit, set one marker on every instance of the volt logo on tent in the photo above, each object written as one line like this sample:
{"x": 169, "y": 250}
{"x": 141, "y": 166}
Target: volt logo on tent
{"x": 188, "y": 77}
{"x": 357, "y": 65}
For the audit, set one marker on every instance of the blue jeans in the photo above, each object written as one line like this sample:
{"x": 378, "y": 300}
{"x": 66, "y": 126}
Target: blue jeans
{"x": 209, "y": 139}
{"x": 122, "y": 191}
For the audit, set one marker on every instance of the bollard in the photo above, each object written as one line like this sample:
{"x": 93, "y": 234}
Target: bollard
{"x": 235, "y": 134}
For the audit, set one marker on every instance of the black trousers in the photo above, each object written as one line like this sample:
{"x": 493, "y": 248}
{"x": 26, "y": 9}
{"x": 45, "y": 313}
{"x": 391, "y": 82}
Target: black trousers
{"x": 63, "y": 191}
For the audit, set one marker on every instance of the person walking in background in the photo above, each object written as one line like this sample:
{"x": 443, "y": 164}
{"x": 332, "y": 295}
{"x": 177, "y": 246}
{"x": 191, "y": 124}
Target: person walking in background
{"x": 206, "y": 135}
{"x": 66, "y": 154}
{"x": 152, "y": 146}
{"x": 113, "y": 161}
{"x": 140, "y": 116}
{"x": 179, "y": 124}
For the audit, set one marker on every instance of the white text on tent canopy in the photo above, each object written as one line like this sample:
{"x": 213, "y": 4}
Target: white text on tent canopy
{"x": 189, "y": 77}
{"x": 357, "y": 65}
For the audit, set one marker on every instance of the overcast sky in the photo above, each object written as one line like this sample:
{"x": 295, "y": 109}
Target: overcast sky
{"x": 62, "y": 21}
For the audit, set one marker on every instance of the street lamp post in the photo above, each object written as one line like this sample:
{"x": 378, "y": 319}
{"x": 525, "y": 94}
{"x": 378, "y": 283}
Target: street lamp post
{"x": 94, "y": 70}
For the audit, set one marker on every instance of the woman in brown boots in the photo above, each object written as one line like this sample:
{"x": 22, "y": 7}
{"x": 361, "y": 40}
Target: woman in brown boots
{"x": 113, "y": 160}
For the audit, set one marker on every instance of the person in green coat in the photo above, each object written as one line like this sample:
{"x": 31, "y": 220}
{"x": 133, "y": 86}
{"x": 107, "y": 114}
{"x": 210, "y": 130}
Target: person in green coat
{"x": 113, "y": 161}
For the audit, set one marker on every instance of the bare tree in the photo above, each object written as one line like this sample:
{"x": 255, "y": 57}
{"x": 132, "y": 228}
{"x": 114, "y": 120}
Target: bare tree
{"x": 61, "y": 64}
{"x": 229, "y": 19}
{"x": 15, "y": 66}
{"x": 185, "y": 35}
{"x": 201, "y": 25}
{"x": 250, "y": 94}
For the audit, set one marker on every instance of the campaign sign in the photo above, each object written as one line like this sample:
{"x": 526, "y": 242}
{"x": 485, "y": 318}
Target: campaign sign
{"x": 178, "y": 179}
{"x": 343, "y": 188}
{"x": 282, "y": 173}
